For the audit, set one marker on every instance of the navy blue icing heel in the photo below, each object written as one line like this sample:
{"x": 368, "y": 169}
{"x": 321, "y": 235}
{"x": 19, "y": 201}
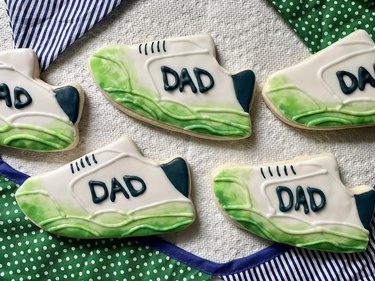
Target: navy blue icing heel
{"x": 69, "y": 101}
{"x": 177, "y": 172}
{"x": 365, "y": 204}
{"x": 244, "y": 83}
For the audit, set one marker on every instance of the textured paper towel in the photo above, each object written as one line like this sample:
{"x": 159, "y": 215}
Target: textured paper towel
{"x": 248, "y": 34}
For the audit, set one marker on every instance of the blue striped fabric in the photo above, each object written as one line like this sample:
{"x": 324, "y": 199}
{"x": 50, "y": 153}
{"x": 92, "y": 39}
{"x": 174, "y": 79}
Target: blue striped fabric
{"x": 49, "y": 26}
{"x": 302, "y": 264}
{"x": 277, "y": 262}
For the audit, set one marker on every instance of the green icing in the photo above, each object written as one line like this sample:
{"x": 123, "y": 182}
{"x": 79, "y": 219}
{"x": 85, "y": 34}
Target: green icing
{"x": 231, "y": 191}
{"x": 64, "y": 219}
{"x": 30, "y": 253}
{"x": 112, "y": 71}
{"x": 298, "y": 107}
{"x": 57, "y": 135}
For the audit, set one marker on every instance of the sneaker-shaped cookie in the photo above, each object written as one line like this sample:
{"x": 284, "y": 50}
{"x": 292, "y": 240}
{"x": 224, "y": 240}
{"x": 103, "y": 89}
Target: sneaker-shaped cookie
{"x": 33, "y": 114}
{"x": 332, "y": 89}
{"x": 301, "y": 202}
{"x": 111, "y": 192}
{"x": 177, "y": 83}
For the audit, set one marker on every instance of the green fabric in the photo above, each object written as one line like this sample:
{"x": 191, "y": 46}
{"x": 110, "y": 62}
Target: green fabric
{"x": 320, "y": 23}
{"x": 29, "y": 253}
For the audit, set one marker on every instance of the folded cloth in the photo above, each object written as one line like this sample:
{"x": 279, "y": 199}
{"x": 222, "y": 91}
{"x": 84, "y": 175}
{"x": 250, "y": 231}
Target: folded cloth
{"x": 321, "y": 23}
{"x": 30, "y": 253}
{"x": 50, "y": 26}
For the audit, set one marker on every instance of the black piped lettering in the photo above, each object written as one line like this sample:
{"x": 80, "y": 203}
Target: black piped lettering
{"x": 18, "y": 93}
{"x": 5, "y": 94}
{"x": 185, "y": 79}
{"x": 282, "y": 206}
{"x": 198, "y": 74}
{"x": 169, "y": 71}
{"x": 301, "y": 200}
{"x": 133, "y": 191}
{"x": 117, "y": 187}
{"x": 364, "y": 77}
{"x": 95, "y": 198}
{"x": 347, "y": 89}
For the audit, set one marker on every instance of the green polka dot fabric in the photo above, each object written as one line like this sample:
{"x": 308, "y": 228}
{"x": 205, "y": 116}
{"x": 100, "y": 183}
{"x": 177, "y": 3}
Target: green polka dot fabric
{"x": 319, "y": 23}
{"x": 29, "y": 253}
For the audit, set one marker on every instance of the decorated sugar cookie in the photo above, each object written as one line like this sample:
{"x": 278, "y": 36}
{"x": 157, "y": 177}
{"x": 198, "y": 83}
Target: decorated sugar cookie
{"x": 301, "y": 202}
{"x": 111, "y": 192}
{"x": 177, "y": 83}
{"x": 333, "y": 89}
{"x": 33, "y": 114}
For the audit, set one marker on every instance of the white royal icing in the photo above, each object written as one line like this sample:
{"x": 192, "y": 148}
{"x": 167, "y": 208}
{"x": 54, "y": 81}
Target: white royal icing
{"x": 184, "y": 52}
{"x": 19, "y": 68}
{"x": 115, "y": 160}
{"x": 320, "y": 172}
{"x": 317, "y": 74}
{"x": 44, "y": 101}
